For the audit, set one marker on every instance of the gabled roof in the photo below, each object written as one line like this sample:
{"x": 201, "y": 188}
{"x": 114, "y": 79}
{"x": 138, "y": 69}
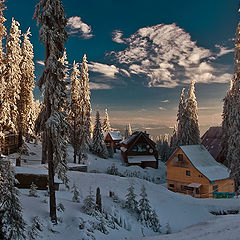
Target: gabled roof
{"x": 212, "y": 141}
{"x": 115, "y": 135}
{"x": 203, "y": 161}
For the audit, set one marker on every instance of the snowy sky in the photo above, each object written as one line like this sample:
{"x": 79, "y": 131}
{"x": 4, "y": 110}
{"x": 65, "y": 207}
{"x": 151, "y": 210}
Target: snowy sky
{"x": 141, "y": 53}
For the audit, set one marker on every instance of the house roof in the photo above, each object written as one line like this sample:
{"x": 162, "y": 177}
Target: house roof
{"x": 139, "y": 159}
{"x": 115, "y": 135}
{"x": 34, "y": 171}
{"x": 212, "y": 141}
{"x": 203, "y": 161}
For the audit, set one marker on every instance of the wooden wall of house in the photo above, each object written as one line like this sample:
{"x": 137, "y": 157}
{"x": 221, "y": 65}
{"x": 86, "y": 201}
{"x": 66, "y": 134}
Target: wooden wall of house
{"x": 41, "y": 181}
{"x": 176, "y": 175}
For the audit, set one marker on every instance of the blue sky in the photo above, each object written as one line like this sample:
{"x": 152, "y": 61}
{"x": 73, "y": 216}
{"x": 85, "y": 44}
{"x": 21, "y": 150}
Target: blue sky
{"x": 141, "y": 53}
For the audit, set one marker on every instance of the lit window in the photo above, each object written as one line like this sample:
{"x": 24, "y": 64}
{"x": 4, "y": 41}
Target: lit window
{"x": 188, "y": 173}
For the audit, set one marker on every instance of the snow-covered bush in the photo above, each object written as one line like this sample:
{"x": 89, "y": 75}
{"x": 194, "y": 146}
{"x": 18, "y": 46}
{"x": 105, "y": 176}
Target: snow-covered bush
{"x": 131, "y": 202}
{"x": 89, "y": 206}
{"x": 60, "y": 207}
{"x": 33, "y": 190}
{"x": 76, "y": 193}
{"x": 35, "y": 228}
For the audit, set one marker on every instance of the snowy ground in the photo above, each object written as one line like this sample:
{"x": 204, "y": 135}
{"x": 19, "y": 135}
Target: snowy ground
{"x": 180, "y": 212}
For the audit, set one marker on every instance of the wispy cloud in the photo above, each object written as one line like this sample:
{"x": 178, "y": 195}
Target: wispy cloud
{"x": 162, "y": 108}
{"x": 223, "y": 50}
{"x": 40, "y": 62}
{"x": 165, "y": 101}
{"x": 109, "y": 71}
{"x": 99, "y": 86}
{"x": 77, "y": 27}
{"x": 166, "y": 56}
{"x": 117, "y": 36}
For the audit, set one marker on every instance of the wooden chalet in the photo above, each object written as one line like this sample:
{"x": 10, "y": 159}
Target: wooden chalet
{"x": 212, "y": 141}
{"x": 113, "y": 139}
{"x": 9, "y": 143}
{"x": 38, "y": 176}
{"x": 139, "y": 150}
{"x": 192, "y": 170}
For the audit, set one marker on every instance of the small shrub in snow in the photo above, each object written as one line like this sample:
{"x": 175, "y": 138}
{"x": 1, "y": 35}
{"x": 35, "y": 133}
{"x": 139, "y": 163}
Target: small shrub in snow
{"x": 131, "y": 202}
{"x": 89, "y": 206}
{"x": 76, "y": 194}
{"x": 168, "y": 229}
{"x": 35, "y": 228}
{"x": 98, "y": 200}
{"x": 144, "y": 208}
{"x": 60, "y": 207}
{"x": 113, "y": 170}
{"x": 33, "y": 190}
{"x": 155, "y": 225}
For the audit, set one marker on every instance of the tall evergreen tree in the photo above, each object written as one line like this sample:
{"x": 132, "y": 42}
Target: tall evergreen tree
{"x": 181, "y": 118}
{"x": 98, "y": 145}
{"x": 226, "y": 123}
{"x": 232, "y": 111}
{"x": 106, "y": 122}
{"x": 26, "y": 101}
{"x": 51, "y": 17}
{"x": 3, "y": 109}
{"x": 12, "y": 76}
{"x": 12, "y": 225}
{"x": 75, "y": 109}
{"x": 173, "y": 141}
{"x": 128, "y": 131}
{"x": 85, "y": 111}
{"x": 191, "y": 129}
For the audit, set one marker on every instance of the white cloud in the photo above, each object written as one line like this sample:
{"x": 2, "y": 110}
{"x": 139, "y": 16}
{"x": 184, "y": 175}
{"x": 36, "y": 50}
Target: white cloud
{"x": 40, "y": 62}
{"x": 78, "y": 27}
{"x": 165, "y": 101}
{"x": 223, "y": 50}
{"x": 117, "y": 36}
{"x": 167, "y": 57}
{"x": 109, "y": 71}
{"x": 162, "y": 108}
{"x": 99, "y": 86}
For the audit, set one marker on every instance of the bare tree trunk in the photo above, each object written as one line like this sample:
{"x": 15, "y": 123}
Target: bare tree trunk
{"x": 20, "y": 139}
{"x": 74, "y": 142}
{"x": 44, "y": 147}
{"x": 53, "y": 214}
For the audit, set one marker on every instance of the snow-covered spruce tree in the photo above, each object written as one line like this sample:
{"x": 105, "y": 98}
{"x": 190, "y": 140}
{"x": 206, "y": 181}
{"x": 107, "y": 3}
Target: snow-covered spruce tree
{"x": 89, "y": 206}
{"x": 233, "y": 112}
{"x": 76, "y": 193}
{"x": 226, "y": 123}
{"x": 26, "y": 101}
{"x": 144, "y": 208}
{"x": 50, "y": 15}
{"x": 3, "y": 110}
{"x": 106, "y": 122}
{"x": 154, "y": 221}
{"x": 181, "y": 118}
{"x": 173, "y": 141}
{"x": 98, "y": 145}
{"x": 12, "y": 225}
{"x": 85, "y": 112}
{"x": 75, "y": 109}
{"x": 33, "y": 190}
{"x": 192, "y": 132}
{"x": 131, "y": 203}
{"x": 128, "y": 131}
{"x": 12, "y": 77}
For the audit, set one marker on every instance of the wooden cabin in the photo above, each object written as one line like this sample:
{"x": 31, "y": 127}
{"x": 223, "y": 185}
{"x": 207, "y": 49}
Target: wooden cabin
{"x": 193, "y": 171}
{"x": 38, "y": 176}
{"x": 9, "y": 143}
{"x": 139, "y": 150}
{"x": 212, "y": 141}
{"x": 113, "y": 139}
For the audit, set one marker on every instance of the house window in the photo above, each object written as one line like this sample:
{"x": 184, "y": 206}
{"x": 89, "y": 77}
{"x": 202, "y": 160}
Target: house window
{"x": 197, "y": 191}
{"x": 215, "y": 188}
{"x": 180, "y": 157}
{"x": 188, "y": 173}
{"x": 171, "y": 185}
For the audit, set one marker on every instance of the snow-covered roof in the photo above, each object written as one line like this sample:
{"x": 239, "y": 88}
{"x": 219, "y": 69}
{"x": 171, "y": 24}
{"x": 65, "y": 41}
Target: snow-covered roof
{"x": 123, "y": 149}
{"x": 139, "y": 159}
{"x": 34, "y": 171}
{"x": 203, "y": 161}
{"x": 115, "y": 135}
{"x": 128, "y": 140}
